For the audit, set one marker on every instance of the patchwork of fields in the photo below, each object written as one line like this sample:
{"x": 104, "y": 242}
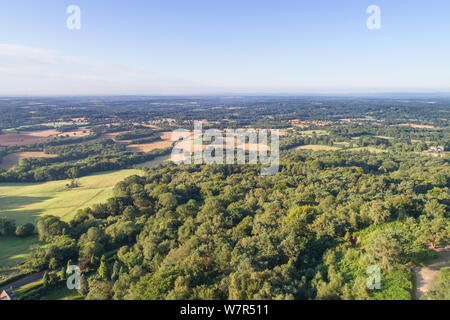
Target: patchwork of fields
{"x": 12, "y": 159}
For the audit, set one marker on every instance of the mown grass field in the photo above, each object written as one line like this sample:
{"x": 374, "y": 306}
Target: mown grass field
{"x": 25, "y": 202}
{"x": 14, "y": 250}
{"x": 312, "y": 132}
{"x": 63, "y": 294}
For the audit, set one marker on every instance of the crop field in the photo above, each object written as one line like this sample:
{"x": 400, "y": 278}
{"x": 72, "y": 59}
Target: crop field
{"x": 318, "y": 147}
{"x": 370, "y": 149}
{"x": 22, "y": 139}
{"x": 12, "y": 159}
{"x": 146, "y": 147}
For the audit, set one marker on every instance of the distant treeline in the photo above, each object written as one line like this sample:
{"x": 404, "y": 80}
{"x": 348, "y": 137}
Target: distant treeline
{"x": 135, "y": 134}
{"x": 68, "y": 170}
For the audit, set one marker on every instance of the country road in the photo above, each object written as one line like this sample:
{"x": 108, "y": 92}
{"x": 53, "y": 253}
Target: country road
{"x": 24, "y": 281}
{"x": 426, "y": 276}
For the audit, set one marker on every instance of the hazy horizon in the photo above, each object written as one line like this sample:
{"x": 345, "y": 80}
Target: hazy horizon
{"x": 218, "y": 48}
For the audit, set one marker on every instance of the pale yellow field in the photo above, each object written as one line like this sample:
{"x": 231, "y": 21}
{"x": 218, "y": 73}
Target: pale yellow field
{"x": 146, "y": 147}
{"x": 371, "y": 149}
{"x": 317, "y": 148}
{"x": 384, "y": 137}
{"x": 311, "y": 132}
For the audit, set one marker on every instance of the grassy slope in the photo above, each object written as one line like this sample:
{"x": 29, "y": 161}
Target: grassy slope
{"x": 63, "y": 294}
{"x": 14, "y": 250}
{"x": 25, "y": 202}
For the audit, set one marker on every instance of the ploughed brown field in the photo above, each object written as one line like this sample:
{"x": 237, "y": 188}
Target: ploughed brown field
{"x": 12, "y": 139}
{"x": 190, "y": 145}
{"x": 26, "y": 138}
{"x": 11, "y": 160}
{"x": 146, "y": 147}
{"x": 29, "y": 137}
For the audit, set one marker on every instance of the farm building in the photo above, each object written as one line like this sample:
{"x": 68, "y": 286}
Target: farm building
{"x": 436, "y": 149}
{"x": 7, "y": 296}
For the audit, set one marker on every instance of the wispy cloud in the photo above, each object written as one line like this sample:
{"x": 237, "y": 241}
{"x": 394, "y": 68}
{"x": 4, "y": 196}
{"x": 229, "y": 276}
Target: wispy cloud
{"x": 28, "y": 70}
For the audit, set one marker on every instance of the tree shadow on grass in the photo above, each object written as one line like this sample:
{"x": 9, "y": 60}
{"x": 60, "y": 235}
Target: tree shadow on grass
{"x": 21, "y": 216}
{"x": 13, "y": 202}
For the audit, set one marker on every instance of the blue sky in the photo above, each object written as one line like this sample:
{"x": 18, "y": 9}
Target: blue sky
{"x": 223, "y": 46}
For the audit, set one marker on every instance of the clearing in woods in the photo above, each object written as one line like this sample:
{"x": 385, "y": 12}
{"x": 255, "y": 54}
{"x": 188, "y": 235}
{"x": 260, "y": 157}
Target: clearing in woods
{"x": 426, "y": 276}
{"x": 25, "y": 202}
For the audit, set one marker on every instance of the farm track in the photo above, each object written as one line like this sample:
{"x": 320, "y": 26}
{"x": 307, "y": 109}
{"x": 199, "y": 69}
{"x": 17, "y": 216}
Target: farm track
{"x": 24, "y": 281}
{"x": 84, "y": 202}
{"x": 426, "y": 276}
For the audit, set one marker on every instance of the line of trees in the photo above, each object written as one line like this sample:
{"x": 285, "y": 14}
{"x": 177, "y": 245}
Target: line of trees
{"x": 8, "y": 228}
{"x": 64, "y": 170}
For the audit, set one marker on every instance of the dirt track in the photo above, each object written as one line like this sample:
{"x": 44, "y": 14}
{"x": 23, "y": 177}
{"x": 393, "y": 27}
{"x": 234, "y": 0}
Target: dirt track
{"x": 24, "y": 281}
{"x": 426, "y": 276}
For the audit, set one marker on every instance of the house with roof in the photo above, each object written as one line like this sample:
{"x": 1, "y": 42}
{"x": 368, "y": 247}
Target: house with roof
{"x": 436, "y": 149}
{"x": 5, "y": 295}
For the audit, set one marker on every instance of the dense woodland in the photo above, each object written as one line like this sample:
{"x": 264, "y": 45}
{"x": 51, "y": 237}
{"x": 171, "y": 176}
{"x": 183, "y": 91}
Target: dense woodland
{"x": 226, "y": 232}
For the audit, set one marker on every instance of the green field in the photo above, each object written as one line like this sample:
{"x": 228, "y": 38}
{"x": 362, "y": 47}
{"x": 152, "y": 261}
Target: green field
{"x": 25, "y": 202}
{"x": 312, "y": 132}
{"x": 14, "y": 250}
{"x": 63, "y": 293}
